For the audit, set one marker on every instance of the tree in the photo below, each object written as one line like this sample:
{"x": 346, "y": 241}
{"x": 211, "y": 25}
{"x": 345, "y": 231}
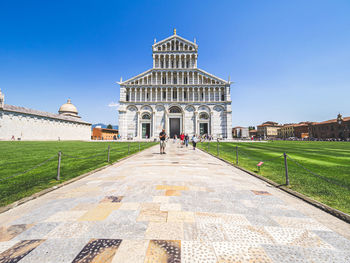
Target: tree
{"x": 251, "y": 128}
{"x": 109, "y": 126}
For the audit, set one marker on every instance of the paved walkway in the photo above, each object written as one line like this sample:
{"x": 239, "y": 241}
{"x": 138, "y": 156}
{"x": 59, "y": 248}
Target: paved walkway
{"x": 185, "y": 206}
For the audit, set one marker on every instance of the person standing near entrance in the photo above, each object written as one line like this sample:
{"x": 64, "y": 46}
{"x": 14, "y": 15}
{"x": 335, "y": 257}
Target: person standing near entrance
{"x": 162, "y": 137}
{"x": 194, "y": 141}
{"x": 187, "y": 138}
{"x": 182, "y": 137}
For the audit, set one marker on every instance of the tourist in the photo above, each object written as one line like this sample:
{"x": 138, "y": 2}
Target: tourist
{"x": 194, "y": 141}
{"x": 175, "y": 137}
{"x": 182, "y": 137}
{"x": 187, "y": 138}
{"x": 162, "y": 137}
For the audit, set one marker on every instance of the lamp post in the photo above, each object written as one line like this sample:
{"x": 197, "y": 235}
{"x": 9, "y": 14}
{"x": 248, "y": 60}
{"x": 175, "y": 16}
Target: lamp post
{"x": 342, "y": 129}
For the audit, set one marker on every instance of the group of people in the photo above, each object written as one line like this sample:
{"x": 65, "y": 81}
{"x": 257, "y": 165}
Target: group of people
{"x": 184, "y": 140}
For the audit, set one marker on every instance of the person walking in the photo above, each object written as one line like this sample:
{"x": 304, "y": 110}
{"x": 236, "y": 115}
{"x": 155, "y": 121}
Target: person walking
{"x": 182, "y": 137}
{"x": 187, "y": 138}
{"x": 194, "y": 141}
{"x": 162, "y": 137}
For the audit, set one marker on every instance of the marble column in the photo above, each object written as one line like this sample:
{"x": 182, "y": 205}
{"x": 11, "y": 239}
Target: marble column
{"x": 153, "y": 124}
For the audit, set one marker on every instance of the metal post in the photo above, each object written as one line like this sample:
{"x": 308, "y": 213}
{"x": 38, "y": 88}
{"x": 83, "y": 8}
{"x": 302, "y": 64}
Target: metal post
{"x": 236, "y": 155}
{"x": 109, "y": 150}
{"x": 59, "y": 166}
{"x": 286, "y": 168}
{"x": 129, "y": 148}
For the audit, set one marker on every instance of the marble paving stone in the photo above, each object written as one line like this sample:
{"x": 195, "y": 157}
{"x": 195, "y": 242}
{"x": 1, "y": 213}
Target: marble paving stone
{"x": 261, "y": 220}
{"x": 65, "y": 216}
{"x": 163, "y": 251}
{"x": 286, "y": 254}
{"x": 9, "y": 232}
{"x": 210, "y": 232}
{"x": 326, "y": 255}
{"x": 96, "y": 214}
{"x": 152, "y": 216}
{"x": 98, "y": 250}
{"x": 150, "y": 206}
{"x": 156, "y": 230}
{"x": 180, "y": 216}
{"x": 170, "y": 207}
{"x": 172, "y": 187}
{"x": 112, "y": 199}
{"x": 123, "y": 216}
{"x": 190, "y": 231}
{"x": 70, "y": 230}
{"x": 248, "y": 235}
{"x": 38, "y": 231}
{"x": 172, "y": 193}
{"x": 304, "y": 223}
{"x": 160, "y": 199}
{"x": 197, "y": 252}
{"x": 19, "y": 250}
{"x": 296, "y": 237}
{"x": 334, "y": 239}
{"x": 257, "y": 192}
{"x": 131, "y": 251}
{"x": 84, "y": 206}
{"x": 7, "y": 244}
{"x": 242, "y": 253}
{"x": 109, "y": 205}
{"x": 129, "y": 206}
{"x": 56, "y": 251}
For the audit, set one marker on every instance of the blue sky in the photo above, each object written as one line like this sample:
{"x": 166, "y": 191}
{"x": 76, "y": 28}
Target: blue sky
{"x": 289, "y": 60}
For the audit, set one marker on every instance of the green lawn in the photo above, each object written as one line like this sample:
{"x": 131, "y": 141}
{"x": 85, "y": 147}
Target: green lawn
{"x": 17, "y": 157}
{"x": 330, "y": 160}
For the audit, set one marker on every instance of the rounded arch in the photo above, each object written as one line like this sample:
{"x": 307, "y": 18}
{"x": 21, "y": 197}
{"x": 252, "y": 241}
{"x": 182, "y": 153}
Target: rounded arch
{"x": 131, "y": 108}
{"x": 204, "y": 108}
{"x": 147, "y": 108}
{"x": 203, "y": 116}
{"x": 146, "y": 116}
{"x": 159, "y": 107}
{"x": 175, "y": 109}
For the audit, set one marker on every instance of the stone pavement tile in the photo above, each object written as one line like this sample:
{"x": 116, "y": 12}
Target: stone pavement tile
{"x": 108, "y": 205}
{"x": 261, "y": 220}
{"x": 6, "y": 245}
{"x": 172, "y": 193}
{"x": 190, "y": 231}
{"x": 238, "y": 252}
{"x": 65, "y": 216}
{"x": 131, "y": 251}
{"x": 181, "y": 216}
{"x": 301, "y": 223}
{"x": 84, "y": 207}
{"x": 122, "y": 216}
{"x": 163, "y": 251}
{"x": 296, "y": 237}
{"x": 334, "y": 239}
{"x": 129, "y": 206}
{"x": 98, "y": 250}
{"x": 197, "y": 252}
{"x": 170, "y": 207}
{"x": 209, "y": 232}
{"x": 19, "y": 250}
{"x": 139, "y": 198}
{"x": 152, "y": 216}
{"x": 172, "y": 187}
{"x": 96, "y": 214}
{"x": 160, "y": 199}
{"x": 232, "y": 219}
{"x": 165, "y": 231}
{"x": 326, "y": 255}
{"x": 56, "y": 251}
{"x": 286, "y": 254}
{"x": 150, "y": 206}
{"x": 117, "y": 230}
{"x": 9, "y": 232}
{"x": 38, "y": 231}
{"x": 247, "y": 235}
{"x": 70, "y": 230}
{"x": 112, "y": 199}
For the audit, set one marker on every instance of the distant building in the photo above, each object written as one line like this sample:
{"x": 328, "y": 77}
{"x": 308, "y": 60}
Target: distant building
{"x": 18, "y": 123}
{"x": 253, "y": 133}
{"x": 295, "y": 130}
{"x": 338, "y": 128}
{"x": 240, "y": 132}
{"x": 99, "y": 133}
{"x": 268, "y": 130}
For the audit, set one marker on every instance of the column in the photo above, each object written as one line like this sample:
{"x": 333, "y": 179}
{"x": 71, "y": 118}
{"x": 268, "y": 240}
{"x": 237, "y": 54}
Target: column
{"x": 190, "y": 61}
{"x": 138, "y": 125}
{"x": 153, "y": 125}
{"x": 180, "y": 62}
{"x": 199, "y": 95}
{"x": 211, "y": 124}
{"x": 172, "y": 78}
{"x": 192, "y": 93}
{"x": 183, "y": 94}
{"x": 151, "y": 94}
{"x": 177, "y": 94}
{"x": 154, "y": 61}
{"x": 219, "y": 94}
{"x": 195, "y": 122}
{"x": 171, "y": 95}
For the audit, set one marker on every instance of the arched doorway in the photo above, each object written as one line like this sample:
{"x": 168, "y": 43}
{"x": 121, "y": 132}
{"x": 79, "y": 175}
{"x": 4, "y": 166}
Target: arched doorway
{"x": 146, "y": 126}
{"x": 203, "y": 123}
{"x": 175, "y": 121}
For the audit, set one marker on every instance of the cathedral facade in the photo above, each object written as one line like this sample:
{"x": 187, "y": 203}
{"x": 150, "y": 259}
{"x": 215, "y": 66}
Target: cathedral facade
{"x": 175, "y": 95}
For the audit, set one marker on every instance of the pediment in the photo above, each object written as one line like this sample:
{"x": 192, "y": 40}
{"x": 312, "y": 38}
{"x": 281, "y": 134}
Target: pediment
{"x": 175, "y": 43}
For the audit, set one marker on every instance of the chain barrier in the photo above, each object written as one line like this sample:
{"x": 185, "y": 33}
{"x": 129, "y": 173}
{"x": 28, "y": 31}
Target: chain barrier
{"x": 27, "y": 171}
{"x": 82, "y": 158}
{"x": 317, "y": 175}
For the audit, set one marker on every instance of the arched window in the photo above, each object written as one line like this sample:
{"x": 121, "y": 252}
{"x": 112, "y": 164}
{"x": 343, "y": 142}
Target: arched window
{"x": 203, "y": 116}
{"x": 175, "y": 109}
{"x": 146, "y": 116}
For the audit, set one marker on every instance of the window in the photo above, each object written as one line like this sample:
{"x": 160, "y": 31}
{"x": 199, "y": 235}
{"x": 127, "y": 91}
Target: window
{"x": 183, "y": 64}
{"x": 203, "y": 116}
{"x": 172, "y": 64}
{"x": 147, "y": 95}
{"x": 164, "y": 95}
{"x": 177, "y": 64}
{"x": 202, "y": 95}
{"x": 162, "y": 64}
{"x": 146, "y": 116}
{"x": 175, "y": 80}
{"x": 185, "y": 95}
{"x": 167, "y": 64}
{"x": 175, "y": 94}
{"x": 222, "y": 97}
{"x": 164, "y": 80}
{"x": 159, "y": 48}
{"x": 127, "y": 97}
{"x": 175, "y": 109}
{"x": 185, "y": 80}
{"x": 187, "y": 64}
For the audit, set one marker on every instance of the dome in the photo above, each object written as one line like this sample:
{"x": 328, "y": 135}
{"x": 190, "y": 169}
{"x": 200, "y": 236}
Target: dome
{"x": 68, "y": 109}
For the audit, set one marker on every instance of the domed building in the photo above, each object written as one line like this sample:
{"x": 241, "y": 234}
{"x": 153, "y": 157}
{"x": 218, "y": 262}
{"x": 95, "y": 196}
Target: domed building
{"x": 19, "y": 123}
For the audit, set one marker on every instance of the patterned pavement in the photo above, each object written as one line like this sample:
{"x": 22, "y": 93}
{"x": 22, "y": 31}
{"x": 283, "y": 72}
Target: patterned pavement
{"x": 185, "y": 206}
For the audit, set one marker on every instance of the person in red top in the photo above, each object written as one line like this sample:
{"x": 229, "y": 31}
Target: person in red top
{"x": 182, "y": 137}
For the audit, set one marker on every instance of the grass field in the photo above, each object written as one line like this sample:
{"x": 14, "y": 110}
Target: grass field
{"x": 17, "y": 157}
{"x": 331, "y": 160}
